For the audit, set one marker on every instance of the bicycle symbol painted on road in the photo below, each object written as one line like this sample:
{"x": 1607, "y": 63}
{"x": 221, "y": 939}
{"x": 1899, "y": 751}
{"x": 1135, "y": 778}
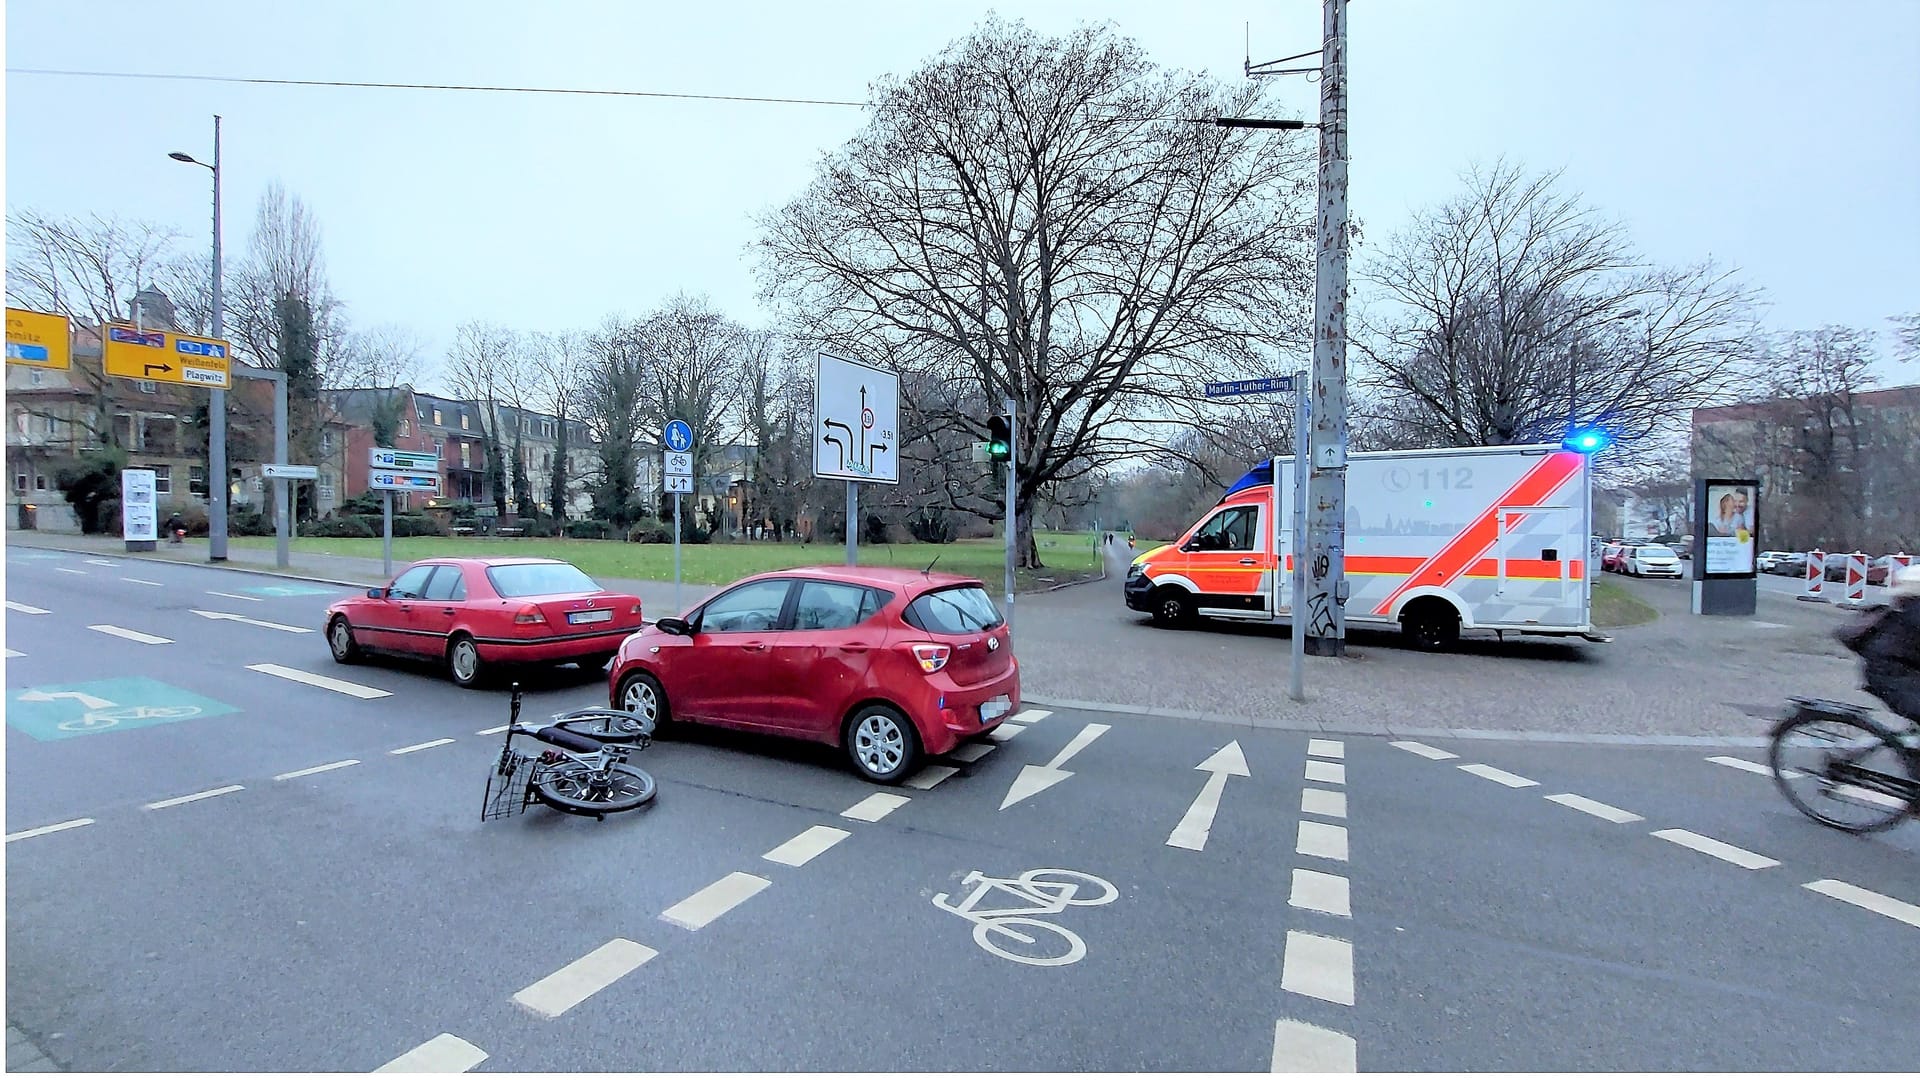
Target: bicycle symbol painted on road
{"x": 1044, "y": 892}
{"x": 100, "y": 719}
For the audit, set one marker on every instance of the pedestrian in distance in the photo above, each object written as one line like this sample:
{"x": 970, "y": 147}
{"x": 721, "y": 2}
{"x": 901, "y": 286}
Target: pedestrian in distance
{"x": 176, "y": 528}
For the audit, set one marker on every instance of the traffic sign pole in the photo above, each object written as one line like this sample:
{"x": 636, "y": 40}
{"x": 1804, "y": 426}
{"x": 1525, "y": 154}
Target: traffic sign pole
{"x": 678, "y": 439}
{"x": 386, "y": 533}
{"x": 853, "y": 524}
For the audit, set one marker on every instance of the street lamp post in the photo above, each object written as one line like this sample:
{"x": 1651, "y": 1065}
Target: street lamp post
{"x": 217, "y": 403}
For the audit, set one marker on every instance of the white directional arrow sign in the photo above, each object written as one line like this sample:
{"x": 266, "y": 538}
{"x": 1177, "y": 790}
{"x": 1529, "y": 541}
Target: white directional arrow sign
{"x": 226, "y": 617}
{"x": 1192, "y": 831}
{"x": 1034, "y": 779}
{"x": 87, "y": 700}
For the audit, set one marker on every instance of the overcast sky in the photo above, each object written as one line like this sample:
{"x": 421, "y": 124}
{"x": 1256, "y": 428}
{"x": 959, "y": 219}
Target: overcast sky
{"x": 1780, "y": 137}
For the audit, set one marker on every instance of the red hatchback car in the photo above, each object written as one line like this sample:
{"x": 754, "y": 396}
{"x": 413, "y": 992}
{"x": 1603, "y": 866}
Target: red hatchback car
{"x": 892, "y": 664}
{"x": 475, "y": 613}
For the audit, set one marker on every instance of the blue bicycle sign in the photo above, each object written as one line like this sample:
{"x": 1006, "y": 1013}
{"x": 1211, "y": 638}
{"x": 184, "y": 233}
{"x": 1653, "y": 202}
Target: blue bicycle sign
{"x": 679, "y": 437}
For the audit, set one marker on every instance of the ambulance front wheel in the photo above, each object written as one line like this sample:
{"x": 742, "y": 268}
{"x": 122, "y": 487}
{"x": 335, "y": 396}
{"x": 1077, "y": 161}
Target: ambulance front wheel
{"x": 1432, "y": 625}
{"x": 1172, "y": 607}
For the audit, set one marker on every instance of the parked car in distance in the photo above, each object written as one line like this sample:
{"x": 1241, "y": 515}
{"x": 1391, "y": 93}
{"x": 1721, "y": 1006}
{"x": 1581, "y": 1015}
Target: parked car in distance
{"x": 475, "y": 614}
{"x": 1765, "y": 561}
{"x": 1613, "y": 558}
{"x": 1789, "y": 564}
{"x": 891, "y": 664}
{"x": 1878, "y": 570}
{"x": 1653, "y": 560}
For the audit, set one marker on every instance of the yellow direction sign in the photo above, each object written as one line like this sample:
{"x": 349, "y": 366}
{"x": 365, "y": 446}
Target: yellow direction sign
{"x": 164, "y": 356}
{"x": 38, "y": 340}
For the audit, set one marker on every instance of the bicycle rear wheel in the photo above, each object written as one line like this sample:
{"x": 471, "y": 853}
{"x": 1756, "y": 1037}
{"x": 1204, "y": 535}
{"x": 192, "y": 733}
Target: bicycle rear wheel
{"x": 577, "y": 789}
{"x": 1844, "y": 772}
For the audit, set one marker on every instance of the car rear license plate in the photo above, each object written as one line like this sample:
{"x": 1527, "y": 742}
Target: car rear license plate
{"x": 578, "y": 617}
{"x": 995, "y": 709}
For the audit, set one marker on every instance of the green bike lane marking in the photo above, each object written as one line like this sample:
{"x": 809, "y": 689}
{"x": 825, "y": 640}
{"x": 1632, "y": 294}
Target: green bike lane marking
{"x": 70, "y": 710}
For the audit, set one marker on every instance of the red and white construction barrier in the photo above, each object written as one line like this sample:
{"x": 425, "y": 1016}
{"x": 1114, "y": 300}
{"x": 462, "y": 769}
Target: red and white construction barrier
{"x": 1856, "y": 581}
{"x": 1895, "y": 564}
{"x": 1816, "y": 577}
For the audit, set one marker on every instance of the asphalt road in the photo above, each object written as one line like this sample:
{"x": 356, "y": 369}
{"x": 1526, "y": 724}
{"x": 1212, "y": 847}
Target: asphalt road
{"x": 1352, "y": 901}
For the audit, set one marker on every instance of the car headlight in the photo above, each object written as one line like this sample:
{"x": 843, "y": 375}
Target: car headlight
{"x": 1135, "y": 570}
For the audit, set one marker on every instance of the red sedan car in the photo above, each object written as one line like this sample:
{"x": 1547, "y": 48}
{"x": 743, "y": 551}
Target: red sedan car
{"x": 891, "y": 664}
{"x": 473, "y": 614}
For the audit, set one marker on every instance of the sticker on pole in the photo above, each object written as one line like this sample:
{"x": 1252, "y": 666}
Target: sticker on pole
{"x": 856, "y": 411}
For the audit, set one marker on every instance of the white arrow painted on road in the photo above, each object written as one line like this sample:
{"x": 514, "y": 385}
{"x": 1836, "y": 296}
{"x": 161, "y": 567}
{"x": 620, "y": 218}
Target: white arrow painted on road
{"x": 1192, "y": 831}
{"x": 88, "y": 700}
{"x": 1034, "y": 779}
{"x": 227, "y": 617}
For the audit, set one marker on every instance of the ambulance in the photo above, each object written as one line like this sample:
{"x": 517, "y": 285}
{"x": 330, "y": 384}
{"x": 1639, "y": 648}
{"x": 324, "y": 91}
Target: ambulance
{"x": 1438, "y": 541}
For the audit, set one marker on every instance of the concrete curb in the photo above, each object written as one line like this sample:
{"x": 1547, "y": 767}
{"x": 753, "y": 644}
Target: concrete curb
{"x": 138, "y": 557}
{"x": 1396, "y": 732}
{"x": 24, "y": 1054}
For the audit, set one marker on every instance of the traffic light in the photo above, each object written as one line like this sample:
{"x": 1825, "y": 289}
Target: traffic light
{"x": 1000, "y": 438}
{"x": 1588, "y": 440}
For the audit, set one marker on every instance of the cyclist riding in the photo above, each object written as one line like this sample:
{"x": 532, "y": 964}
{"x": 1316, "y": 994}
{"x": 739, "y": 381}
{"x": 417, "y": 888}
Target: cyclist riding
{"x": 1890, "y": 645}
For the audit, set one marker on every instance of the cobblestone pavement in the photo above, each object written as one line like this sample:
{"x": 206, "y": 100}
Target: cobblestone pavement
{"x": 1679, "y": 677}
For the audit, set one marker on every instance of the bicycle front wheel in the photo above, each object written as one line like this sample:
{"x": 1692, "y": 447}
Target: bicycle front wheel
{"x": 607, "y": 725}
{"x": 578, "y": 789}
{"x": 1042, "y": 946}
{"x": 1843, "y": 772}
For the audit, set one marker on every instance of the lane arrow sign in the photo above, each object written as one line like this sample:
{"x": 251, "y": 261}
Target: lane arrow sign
{"x": 1034, "y": 779}
{"x": 225, "y": 617}
{"x": 87, "y": 700}
{"x": 1192, "y": 831}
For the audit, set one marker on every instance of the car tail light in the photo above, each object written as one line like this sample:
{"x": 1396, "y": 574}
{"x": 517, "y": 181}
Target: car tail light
{"x": 636, "y": 608}
{"x": 932, "y": 657}
{"x": 528, "y": 616}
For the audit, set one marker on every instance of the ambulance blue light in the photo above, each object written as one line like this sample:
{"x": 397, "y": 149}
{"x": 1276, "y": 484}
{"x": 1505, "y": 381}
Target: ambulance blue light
{"x": 1588, "y": 441}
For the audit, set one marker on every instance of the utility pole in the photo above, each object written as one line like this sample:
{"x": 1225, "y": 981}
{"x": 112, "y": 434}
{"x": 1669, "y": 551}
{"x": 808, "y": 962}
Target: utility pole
{"x": 1327, "y": 480}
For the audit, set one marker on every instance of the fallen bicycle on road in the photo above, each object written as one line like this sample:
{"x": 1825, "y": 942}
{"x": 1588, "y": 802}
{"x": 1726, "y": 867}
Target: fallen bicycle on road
{"x": 585, "y": 771}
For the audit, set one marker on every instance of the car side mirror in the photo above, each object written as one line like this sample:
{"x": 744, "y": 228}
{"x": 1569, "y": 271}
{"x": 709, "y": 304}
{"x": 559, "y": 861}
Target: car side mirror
{"x": 376, "y": 594}
{"x": 678, "y": 627}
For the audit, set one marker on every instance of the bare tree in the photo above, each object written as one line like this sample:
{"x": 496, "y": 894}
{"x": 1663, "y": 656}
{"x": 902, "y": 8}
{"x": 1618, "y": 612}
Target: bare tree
{"x": 694, "y": 359}
{"x": 1036, "y": 219}
{"x": 1514, "y": 312}
{"x": 284, "y": 258}
{"x": 484, "y": 366}
{"x": 614, "y": 402}
{"x": 85, "y": 268}
{"x": 387, "y": 355}
{"x": 556, "y": 366}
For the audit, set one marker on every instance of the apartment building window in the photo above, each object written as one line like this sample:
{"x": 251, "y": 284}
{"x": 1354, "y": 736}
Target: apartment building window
{"x": 466, "y": 455}
{"x": 20, "y": 482}
{"x": 326, "y": 485}
{"x": 439, "y": 448}
{"x": 162, "y": 478}
{"x": 326, "y": 442}
{"x": 463, "y": 422}
{"x": 197, "y": 480}
{"x": 406, "y": 428}
{"x": 49, "y": 426}
{"x": 39, "y": 483}
{"x": 436, "y": 418}
{"x": 35, "y": 376}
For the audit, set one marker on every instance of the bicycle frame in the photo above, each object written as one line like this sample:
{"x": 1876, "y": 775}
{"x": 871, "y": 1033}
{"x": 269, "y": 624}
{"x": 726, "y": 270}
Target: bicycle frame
{"x": 1026, "y": 890}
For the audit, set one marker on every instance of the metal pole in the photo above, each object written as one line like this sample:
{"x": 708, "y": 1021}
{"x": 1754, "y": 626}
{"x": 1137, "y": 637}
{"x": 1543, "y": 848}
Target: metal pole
{"x": 1013, "y": 522}
{"x": 282, "y": 517}
{"x": 1298, "y": 644}
{"x": 853, "y": 524}
{"x": 678, "y": 608}
{"x": 1326, "y": 592}
{"x": 217, "y": 401}
{"x": 386, "y": 534}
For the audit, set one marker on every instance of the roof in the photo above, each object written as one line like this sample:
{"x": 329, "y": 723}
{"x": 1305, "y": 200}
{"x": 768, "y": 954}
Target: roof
{"x": 878, "y": 576}
{"x": 495, "y": 560}
{"x": 1770, "y": 408}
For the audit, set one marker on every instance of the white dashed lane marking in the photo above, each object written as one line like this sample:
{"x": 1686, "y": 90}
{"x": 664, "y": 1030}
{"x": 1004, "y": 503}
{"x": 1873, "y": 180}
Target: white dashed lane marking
{"x": 338, "y": 686}
{"x": 1425, "y": 751}
{"x": 421, "y": 746}
{"x": 249, "y": 599}
{"x": 26, "y": 609}
{"x": 1303, "y": 1048}
{"x": 1326, "y": 772}
{"x": 443, "y": 1053}
{"x": 1597, "y": 809}
{"x": 1005, "y": 732}
{"x": 329, "y": 767}
{"x": 1318, "y": 967}
{"x": 130, "y": 635}
{"x": 195, "y": 797}
{"x": 1859, "y": 897}
{"x": 69, "y": 570}
{"x": 804, "y": 848}
{"x": 1325, "y": 803}
{"x": 972, "y": 752}
{"x": 875, "y": 806}
{"x": 715, "y": 900}
{"x": 1029, "y": 716}
{"x": 1322, "y": 841}
{"x": 1326, "y": 748}
{"x": 45, "y": 829}
{"x": 1753, "y": 767}
{"x": 1315, "y": 891}
{"x": 927, "y": 778}
{"x": 13, "y": 653}
{"x": 1499, "y": 776}
{"x": 583, "y": 978}
{"x": 1707, "y": 845}
{"x": 139, "y": 581}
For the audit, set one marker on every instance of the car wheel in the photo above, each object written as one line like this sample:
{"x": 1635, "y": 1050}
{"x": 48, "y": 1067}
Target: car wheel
{"x": 642, "y": 694}
{"x": 340, "y": 640}
{"x": 463, "y": 662}
{"x": 1172, "y": 607}
{"x": 882, "y": 744}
